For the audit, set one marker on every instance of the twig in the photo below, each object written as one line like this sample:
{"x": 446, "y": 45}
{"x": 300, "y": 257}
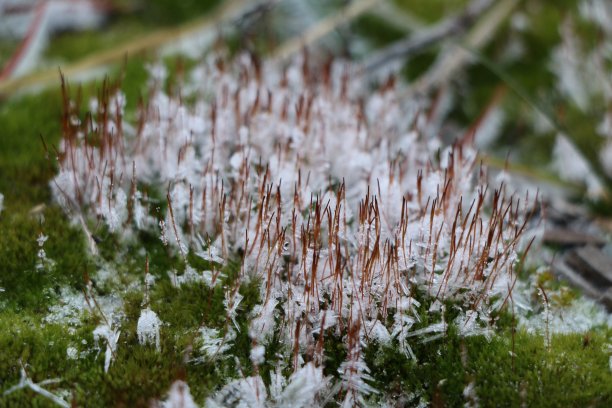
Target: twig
{"x": 323, "y": 28}
{"x": 398, "y": 17}
{"x": 26, "y": 382}
{"x": 528, "y": 172}
{"x": 451, "y": 26}
{"x": 230, "y": 10}
{"x": 449, "y": 62}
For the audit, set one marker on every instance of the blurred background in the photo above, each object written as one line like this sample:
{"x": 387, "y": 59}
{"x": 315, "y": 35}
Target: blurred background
{"x": 532, "y": 69}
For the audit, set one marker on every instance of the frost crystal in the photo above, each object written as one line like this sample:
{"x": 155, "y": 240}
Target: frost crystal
{"x": 148, "y": 328}
{"x": 302, "y": 389}
{"x": 469, "y": 393}
{"x": 111, "y": 337}
{"x": 26, "y": 382}
{"x": 179, "y": 396}
{"x": 258, "y": 355}
{"x": 72, "y": 353}
{"x": 212, "y": 344}
{"x": 248, "y": 392}
{"x": 43, "y": 261}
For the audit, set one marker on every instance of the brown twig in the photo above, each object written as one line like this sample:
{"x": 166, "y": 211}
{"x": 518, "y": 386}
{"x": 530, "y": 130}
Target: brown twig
{"x": 452, "y": 26}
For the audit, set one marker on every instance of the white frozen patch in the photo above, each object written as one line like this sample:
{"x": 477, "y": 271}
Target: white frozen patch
{"x": 71, "y": 305}
{"x": 179, "y": 396}
{"x": 247, "y": 392}
{"x": 258, "y": 354}
{"x": 469, "y": 393}
{"x": 72, "y": 353}
{"x": 148, "y": 328}
{"x": 108, "y": 334}
{"x": 581, "y": 315}
{"x": 68, "y": 310}
{"x": 212, "y": 345}
{"x": 302, "y": 388}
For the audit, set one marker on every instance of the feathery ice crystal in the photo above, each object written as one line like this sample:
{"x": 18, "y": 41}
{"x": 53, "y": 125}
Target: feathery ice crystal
{"x": 331, "y": 195}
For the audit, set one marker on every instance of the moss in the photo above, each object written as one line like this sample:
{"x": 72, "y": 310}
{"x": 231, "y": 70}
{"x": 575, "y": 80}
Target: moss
{"x": 569, "y": 374}
{"x": 574, "y": 372}
{"x": 26, "y": 286}
{"x": 138, "y": 373}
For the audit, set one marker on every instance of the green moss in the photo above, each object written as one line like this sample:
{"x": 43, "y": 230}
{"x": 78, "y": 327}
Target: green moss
{"x": 26, "y": 286}
{"x": 138, "y": 373}
{"x": 574, "y": 372}
{"x": 571, "y": 373}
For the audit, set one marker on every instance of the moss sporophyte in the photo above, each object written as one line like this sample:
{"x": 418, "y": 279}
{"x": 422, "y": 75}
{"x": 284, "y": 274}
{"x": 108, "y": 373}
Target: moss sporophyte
{"x": 329, "y": 196}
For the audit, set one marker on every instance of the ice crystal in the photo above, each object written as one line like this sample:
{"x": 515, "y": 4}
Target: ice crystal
{"x": 258, "y": 354}
{"x": 247, "y": 392}
{"x": 179, "y": 396}
{"x": 110, "y": 335}
{"x": 212, "y": 345}
{"x": 302, "y": 388}
{"x": 469, "y": 393}
{"x": 148, "y": 328}
{"x": 72, "y": 353}
{"x": 42, "y": 261}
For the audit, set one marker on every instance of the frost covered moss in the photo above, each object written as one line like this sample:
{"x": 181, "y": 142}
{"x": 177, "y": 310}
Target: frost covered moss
{"x": 510, "y": 368}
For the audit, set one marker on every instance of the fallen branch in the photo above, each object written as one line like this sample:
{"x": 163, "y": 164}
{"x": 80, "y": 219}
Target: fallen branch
{"x": 323, "y": 28}
{"x": 457, "y": 56}
{"x": 26, "y": 382}
{"x": 228, "y": 11}
{"x": 451, "y": 26}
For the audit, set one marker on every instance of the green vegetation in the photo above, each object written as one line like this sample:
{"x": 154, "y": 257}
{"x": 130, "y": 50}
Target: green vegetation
{"x": 571, "y": 373}
{"x": 512, "y": 368}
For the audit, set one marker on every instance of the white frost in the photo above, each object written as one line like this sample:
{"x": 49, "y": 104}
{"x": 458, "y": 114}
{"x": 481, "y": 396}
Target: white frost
{"x": 148, "y": 328}
{"x": 179, "y": 396}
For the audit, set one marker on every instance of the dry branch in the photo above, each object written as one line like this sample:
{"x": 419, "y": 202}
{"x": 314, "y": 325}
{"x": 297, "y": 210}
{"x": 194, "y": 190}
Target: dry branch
{"x": 228, "y": 11}
{"x": 457, "y": 56}
{"x": 323, "y": 28}
{"x": 454, "y": 25}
